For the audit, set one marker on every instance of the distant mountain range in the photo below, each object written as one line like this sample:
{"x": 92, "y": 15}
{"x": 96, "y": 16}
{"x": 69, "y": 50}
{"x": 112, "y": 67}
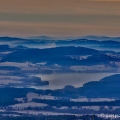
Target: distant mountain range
{"x": 98, "y": 43}
{"x": 64, "y": 56}
{"x": 102, "y": 38}
{"x": 42, "y": 38}
{"x": 98, "y": 38}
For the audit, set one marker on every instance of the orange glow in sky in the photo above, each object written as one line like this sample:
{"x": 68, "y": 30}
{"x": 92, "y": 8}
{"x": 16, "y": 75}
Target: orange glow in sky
{"x": 59, "y": 18}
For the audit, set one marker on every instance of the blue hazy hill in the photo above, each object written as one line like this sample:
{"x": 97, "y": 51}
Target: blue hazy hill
{"x": 65, "y": 56}
{"x": 108, "y": 87}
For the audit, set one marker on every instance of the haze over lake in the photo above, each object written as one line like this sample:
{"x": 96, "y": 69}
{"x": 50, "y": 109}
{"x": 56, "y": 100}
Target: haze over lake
{"x": 57, "y": 81}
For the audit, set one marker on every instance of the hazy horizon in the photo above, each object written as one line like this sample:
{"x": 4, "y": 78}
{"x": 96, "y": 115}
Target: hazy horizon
{"x": 88, "y": 37}
{"x": 60, "y": 18}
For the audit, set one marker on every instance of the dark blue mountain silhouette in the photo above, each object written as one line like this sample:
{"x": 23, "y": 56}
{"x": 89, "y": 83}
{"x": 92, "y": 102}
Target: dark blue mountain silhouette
{"x": 65, "y": 56}
{"x": 108, "y": 87}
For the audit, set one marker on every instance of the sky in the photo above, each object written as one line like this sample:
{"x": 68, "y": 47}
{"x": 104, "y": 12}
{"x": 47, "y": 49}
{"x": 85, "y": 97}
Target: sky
{"x": 59, "y": 18}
